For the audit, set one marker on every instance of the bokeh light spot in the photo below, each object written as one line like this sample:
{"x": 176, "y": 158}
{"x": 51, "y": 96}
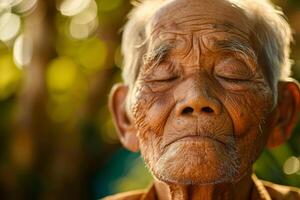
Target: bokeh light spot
{"x": 5, "y": 6}
{"x": 9, "y": 76}
{"x": 9, "y": 26}
{"x": 79, "y": 31}
{"x": 291, "y": 165}
{"x": 14, "y": 2}
{"x": 82, "y": 31}
{"x": 92, "y": 54}
{"x": 25, "y": 6}
{"x": 87, "y": 15}
{"x": 73, "y": 7}
{"x": 22, "y": 51}
{"x": 61, "y": 74}
{"x": 5, "y": 3}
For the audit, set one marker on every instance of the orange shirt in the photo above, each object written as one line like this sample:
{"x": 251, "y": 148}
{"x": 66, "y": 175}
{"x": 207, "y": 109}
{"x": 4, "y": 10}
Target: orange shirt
{"x": 263, "y": 190}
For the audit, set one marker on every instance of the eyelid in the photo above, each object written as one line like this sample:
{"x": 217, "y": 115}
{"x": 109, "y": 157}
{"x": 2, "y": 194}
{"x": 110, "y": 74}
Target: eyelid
{"x": 166, "y": 71}
{"x": 235, "y": 80}
{"x": 169, "y": 79}
{"x": 247, "y": 60}
{"x": 247, "y": 76}
{"x": 234, "y": 69}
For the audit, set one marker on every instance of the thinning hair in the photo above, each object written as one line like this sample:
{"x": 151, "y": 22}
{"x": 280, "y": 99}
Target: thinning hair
{"x": 271, "y": 32}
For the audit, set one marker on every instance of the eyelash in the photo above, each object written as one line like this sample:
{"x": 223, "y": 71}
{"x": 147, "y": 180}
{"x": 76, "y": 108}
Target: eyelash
{"x": 167, "y": 80}
{"x": 234, "y": 80}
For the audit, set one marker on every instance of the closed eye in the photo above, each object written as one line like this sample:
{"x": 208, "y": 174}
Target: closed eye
{"x": 234, "y": 79}
{"x": 170, "y": 79}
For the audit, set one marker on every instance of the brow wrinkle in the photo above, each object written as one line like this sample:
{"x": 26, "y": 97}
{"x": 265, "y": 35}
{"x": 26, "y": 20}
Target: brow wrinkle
{"x": 203, "y": 44}
{"x": 189, "y": 48}
{"x": 203, "y": 31}
{"x": 199, "y": 49}
{"x": 198, "y": 20}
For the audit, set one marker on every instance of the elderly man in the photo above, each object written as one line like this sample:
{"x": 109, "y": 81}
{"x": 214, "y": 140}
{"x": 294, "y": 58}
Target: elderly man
{"x": 206, "y": 88}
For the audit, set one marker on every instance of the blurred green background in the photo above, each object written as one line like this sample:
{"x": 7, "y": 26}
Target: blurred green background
{"x": 58, "y": 61}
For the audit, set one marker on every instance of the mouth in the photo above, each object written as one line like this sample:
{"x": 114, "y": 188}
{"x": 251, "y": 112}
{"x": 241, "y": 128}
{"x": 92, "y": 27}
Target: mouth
{"x": 198, "y": 138}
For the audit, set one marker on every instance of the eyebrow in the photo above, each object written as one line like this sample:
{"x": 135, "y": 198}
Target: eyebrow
{"x": 231, "y": 45}
{"x": 242, "y": 49}
{"x": 157, "y": 54}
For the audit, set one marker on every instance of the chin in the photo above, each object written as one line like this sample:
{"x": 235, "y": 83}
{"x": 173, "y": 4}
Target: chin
{"x": 196, "y": 163}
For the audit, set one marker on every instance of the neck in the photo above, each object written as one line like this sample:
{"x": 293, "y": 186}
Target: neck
{"x": 226, "y": 191}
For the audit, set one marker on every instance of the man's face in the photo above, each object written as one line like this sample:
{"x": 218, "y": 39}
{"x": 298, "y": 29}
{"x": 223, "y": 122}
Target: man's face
{"x": 201, "y": 102}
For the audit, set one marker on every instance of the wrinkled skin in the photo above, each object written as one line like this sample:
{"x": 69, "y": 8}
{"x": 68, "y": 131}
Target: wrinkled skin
{"x": 202, "y": 112}
{"x": 200, "y": 108}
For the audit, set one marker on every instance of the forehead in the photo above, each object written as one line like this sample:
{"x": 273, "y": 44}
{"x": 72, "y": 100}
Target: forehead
{"x": 201, "y": 17}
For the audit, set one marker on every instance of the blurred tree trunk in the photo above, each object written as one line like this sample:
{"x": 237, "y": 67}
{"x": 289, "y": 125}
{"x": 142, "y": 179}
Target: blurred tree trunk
{"x": 47, "y": 162}
{"x": 32, "y": 142}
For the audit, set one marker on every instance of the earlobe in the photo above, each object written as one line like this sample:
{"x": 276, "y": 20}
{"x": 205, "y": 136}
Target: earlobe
{"x": 124, "y": 125}
{"x": 286, "y": 113}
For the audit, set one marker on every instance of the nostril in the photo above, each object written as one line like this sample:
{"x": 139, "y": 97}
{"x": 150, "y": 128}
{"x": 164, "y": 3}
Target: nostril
{"x": 187, "y": 110}
{"x": 207, "y": 110}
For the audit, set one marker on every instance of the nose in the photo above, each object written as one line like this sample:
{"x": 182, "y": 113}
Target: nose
{"x": 198, "y": 101}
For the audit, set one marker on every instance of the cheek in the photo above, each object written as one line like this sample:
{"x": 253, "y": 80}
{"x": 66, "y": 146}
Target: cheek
{"x": 249, "y": 110}
{"x": 151, "y": 110}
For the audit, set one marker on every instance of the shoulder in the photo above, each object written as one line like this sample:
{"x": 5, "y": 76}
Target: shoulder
{"x": 131, "y": 195}
{"x": 277, "y": 191}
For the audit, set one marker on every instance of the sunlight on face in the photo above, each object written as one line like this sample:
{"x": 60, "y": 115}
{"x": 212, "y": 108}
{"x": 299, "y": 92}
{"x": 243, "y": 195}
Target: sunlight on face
{"x": 201, "y": 109}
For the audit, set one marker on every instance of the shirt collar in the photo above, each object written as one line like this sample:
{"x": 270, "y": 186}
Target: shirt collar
{"x": 259, "y": 192}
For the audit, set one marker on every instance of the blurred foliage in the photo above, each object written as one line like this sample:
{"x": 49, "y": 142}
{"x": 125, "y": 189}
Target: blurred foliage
{"x": 57, "y": 137}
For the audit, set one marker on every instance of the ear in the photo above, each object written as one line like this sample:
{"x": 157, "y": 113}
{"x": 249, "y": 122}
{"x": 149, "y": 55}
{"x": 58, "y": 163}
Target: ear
{"x": 125, "y": 128}
{"x": 286, "y": 113}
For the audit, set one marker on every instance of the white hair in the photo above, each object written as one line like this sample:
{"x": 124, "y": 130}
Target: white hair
{"x": 271, "y": 32}
{"x": 274, "y": 36}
